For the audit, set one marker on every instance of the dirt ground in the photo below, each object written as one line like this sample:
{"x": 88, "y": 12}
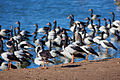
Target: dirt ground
{"x": 107, "y": 69}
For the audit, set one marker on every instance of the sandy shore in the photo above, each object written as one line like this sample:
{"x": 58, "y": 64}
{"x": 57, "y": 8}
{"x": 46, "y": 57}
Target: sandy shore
{"x": 107, "y": 69}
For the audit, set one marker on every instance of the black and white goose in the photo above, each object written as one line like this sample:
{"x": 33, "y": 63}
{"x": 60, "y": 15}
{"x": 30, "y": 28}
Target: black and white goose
{"x": 9, "y": 56}
{"x": 106, "y": 44}
{"x": 72, "y": 51}
{"x": 18, "y": 22}
{"x": 116, "y": 23}
{"x": 43, "y": 29}
{"x": 45, "y": 55}
{"x": 4, "y": 65}
{"x": 91, "y": 25}
{"x": 112, "y": 29}
{"x": 87, "y": 49}
{"x": 93, "y": 16}
{"x": 4, "y": 32}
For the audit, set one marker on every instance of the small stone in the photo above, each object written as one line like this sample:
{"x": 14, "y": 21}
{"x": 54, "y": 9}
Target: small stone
{"x": 118, "y": 62}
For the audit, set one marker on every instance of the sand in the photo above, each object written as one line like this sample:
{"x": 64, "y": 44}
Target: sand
{"x": 106, "y": 69}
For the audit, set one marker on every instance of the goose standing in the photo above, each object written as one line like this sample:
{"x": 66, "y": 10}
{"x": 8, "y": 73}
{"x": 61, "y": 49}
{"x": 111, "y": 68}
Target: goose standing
{"x": 4, "y": 65}
{"x": 8, "y": 56}
{"x": 106, "y": 44}
{"x": 93, "y": 16}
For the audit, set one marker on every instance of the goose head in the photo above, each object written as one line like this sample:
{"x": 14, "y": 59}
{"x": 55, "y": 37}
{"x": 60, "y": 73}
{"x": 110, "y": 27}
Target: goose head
{"x": 87, "y": 18}
{"x": 54, "y": 25}
{"x": 104, "y": 19}
{"x": 109, "y": 25}
{"x": 18, "y": 22}
{"x": 49, "y": 24}
{"x": 71, "y": 16}
{"x": 90, "y": 10}
{"x": 113, "y": 19}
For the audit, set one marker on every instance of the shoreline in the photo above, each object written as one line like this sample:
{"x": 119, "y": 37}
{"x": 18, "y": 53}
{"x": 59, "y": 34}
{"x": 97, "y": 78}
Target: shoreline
{"x": 105, "y": 69}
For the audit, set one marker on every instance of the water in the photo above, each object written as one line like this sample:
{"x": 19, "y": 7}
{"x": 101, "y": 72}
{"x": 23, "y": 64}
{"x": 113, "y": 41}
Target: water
{"x": 29, "y": 12}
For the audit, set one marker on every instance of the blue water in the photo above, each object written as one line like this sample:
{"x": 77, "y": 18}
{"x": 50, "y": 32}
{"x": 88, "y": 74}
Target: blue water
{"x": 29, "y": 12}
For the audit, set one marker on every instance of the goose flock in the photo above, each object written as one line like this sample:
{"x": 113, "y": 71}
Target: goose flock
{"x": 56, "y": 43}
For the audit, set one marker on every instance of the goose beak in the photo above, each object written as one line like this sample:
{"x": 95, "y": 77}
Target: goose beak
{"x": 16, "y": 28}
{"x": 2, "y": 39}
{"x": 33, "y": 33}
{"x": 68, "y": 17}
{"x": 107, "y": 20}
{"x": 103, "y": 18}
{"x": 111, "y": 12}
{"x": 16, "y": 23}
{"x": 48, "y": 24}
{"x": 90, "y": 10}
{"x": 86, "y": 18}
{"x": 98, "y": 19}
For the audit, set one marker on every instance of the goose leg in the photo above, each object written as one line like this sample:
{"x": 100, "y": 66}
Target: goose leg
{"x": 72, "y": 61}
{"x": 54, "y": 59}
{"x": 10, "y": 65}
{"x": 87, "y": 58}
{"x": 39, "y": 67}
{"x": 43, "y": 65}
{"x": 88, "y": 45}
{"x": 100, "y": 48}
{"x": 106, "y": 51}
{"x": 46, "y": 65}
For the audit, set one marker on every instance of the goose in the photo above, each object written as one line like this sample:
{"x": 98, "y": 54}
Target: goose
{"x": 76, "y": 48}
{"x": 57, "y": 42}
{"x": 87, "y": 49}
{"x": 59, "y": 30}
{"x": 51, "y": 35}
{"x": 71, "y": 51}
{"x": 42, "y": 30}
{"x": 18, "y": 22}
{"x": 9, "y": 43}
{"x": 90, "y": 26}
{"x": 25, "y": 45}
{"x": 37, "y": 42}
{"x": 25, "y": 34}
{"x": 65, "y": 38}
{"x": 93, "y": 16}
{"x": 8, "y": 56}
{"x": 4, "y": 32}
{"x": 112, "y": 30}
{"x": 71, "y": 17}
{"x": 106, "y": 44}
{"x": 45, "y": 54}
{"x": 11, "y": 31}
{"x": 99, "y": 23}
{"x": 88, "y": 39}
{"x": 4, "y": 65}
{"x": 40, "y": 61}
{"x": 116, "y": 23}
{"x": 22, "y": 55}
{"x": 103, "y": 28}
{"x": 96, "y": 40}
